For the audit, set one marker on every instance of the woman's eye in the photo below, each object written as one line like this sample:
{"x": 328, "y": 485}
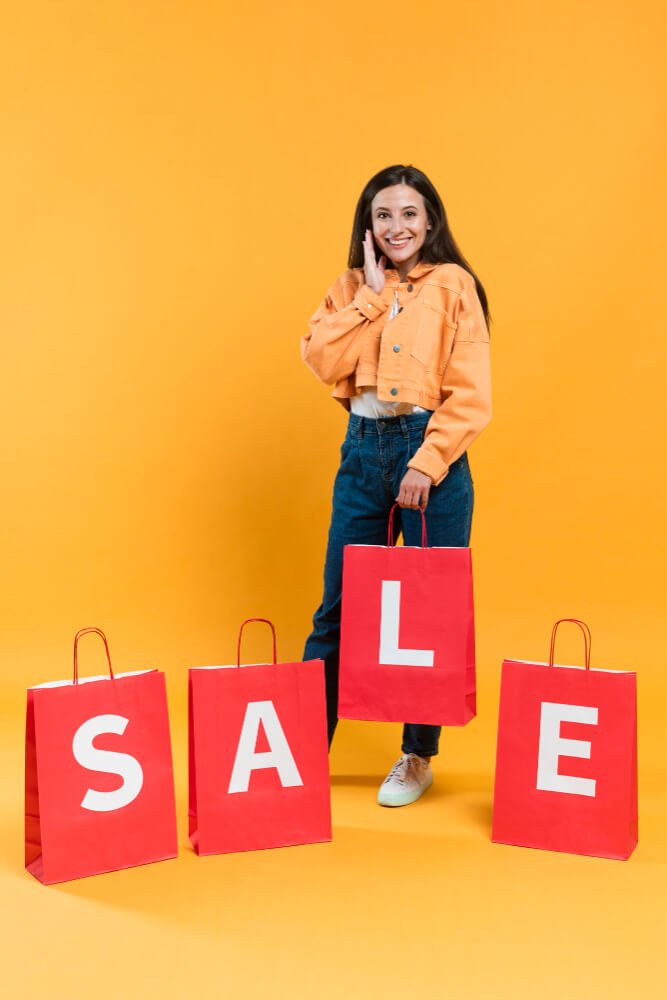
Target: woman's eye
{"x": 383, "y": 215}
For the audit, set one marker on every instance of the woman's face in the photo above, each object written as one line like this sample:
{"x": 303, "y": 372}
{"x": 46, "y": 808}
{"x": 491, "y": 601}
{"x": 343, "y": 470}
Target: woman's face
{"x": 400, "y": 225}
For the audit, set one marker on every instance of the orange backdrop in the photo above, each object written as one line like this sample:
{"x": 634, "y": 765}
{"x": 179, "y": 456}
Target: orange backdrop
{"x": 177, "y": 185}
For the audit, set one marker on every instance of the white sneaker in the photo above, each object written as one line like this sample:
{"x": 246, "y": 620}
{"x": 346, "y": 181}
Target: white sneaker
{"x": 408, "y": 779}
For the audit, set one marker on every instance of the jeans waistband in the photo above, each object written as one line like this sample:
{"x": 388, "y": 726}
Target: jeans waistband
{"x": 387, "y": 425}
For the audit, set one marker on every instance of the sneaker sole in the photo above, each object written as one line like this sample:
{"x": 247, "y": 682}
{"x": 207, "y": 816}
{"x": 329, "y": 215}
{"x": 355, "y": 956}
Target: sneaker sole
{"x": 402, "y": 798}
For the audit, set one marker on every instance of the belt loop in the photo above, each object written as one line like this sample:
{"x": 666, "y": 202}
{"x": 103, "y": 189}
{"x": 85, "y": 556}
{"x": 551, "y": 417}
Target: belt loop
{"x": 360, "y": 429}
{"x": 404, "y": 426}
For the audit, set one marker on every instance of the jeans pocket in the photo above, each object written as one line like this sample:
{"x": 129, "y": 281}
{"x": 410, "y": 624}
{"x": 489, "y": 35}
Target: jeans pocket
{"x": 345, "y": 447}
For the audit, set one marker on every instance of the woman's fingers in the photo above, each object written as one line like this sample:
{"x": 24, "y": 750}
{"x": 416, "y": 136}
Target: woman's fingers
{"x": 414, "y": 490}
{"x": 413, "y": 500}
{"x": 368, "y": 258}
{"x": 369, "y": 249}
{"x": 373, "y": 272}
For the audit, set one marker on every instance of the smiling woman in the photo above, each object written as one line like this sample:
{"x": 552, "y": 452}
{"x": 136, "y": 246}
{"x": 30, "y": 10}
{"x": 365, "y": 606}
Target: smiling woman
{"x": 404, "y": 338}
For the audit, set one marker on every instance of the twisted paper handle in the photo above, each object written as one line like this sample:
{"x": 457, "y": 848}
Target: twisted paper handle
{"x": 243, "y": 625}
{"x": 85, "y": 631}
{"x": 587, "y": 639}
{"x": 390, "y": 530}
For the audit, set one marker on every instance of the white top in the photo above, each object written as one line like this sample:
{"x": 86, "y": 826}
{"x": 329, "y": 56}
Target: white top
{"x": 367, "y": 404}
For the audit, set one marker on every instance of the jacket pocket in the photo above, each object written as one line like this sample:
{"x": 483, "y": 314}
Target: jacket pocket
{"x": 434, "y": 336}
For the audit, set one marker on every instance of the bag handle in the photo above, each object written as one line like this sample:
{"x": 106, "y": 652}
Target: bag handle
{"x": 390, "y": 530}
{"x": 243, "y": 625}
{"x": 85, "y": 631}
{"x": 587, "y": 640}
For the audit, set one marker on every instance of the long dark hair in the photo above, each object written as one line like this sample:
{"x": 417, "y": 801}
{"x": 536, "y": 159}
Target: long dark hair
{"x": 439, "y": 246}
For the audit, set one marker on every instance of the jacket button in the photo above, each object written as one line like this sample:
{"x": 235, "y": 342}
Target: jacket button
{"x": 410, "y": 287}
{"x": 394, "y": 392}
{"x": 400, "y": 309}
{"x": 397, "y": 348}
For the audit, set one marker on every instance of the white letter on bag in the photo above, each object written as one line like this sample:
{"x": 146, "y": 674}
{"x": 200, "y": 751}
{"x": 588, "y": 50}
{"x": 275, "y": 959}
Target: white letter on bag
{"x": 279, "y": 756}
{"x": 553, "y": 746}
{"x": 108, "y": 761}
{"x": 390, "y": 614}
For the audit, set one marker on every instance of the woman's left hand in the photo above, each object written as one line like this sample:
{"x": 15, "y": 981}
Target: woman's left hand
{"x": 414, "y": 489}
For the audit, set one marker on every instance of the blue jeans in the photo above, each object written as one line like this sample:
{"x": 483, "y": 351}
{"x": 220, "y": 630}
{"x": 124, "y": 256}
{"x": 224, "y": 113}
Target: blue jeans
{"x": 374, "y": 457}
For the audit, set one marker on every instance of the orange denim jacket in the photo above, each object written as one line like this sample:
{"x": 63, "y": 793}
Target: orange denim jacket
{"x": 434, "y": 352}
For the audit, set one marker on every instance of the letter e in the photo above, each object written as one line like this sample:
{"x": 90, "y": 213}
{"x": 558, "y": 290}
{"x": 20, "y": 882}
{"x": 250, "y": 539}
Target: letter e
{"x": 552, "y": 746}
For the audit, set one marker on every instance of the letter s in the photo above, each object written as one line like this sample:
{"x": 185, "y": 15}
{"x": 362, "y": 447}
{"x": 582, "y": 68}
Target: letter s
{"x": 108, "y": 761}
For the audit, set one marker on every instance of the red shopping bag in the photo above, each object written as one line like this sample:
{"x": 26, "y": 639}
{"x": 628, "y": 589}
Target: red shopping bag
{"x": 259, "y": 763}
{"x": 99, "y": 789}
{"x": 566, "y": 765}
{"x": 407, "y": 650}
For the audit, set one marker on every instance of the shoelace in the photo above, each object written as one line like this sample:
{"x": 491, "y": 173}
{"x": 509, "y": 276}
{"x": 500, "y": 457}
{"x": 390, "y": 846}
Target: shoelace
{"x": 398, "y": 770}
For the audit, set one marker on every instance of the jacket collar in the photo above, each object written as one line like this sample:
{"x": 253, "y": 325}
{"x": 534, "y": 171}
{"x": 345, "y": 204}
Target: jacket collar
{"x": 421, "y": 267}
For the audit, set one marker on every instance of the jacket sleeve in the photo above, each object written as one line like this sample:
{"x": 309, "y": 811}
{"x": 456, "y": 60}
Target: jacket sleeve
{"x": 337, "y": 329}
{"x": 466, "y": 392}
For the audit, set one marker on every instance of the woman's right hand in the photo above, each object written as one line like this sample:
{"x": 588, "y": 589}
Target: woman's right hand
{"x": 373, "y": 270}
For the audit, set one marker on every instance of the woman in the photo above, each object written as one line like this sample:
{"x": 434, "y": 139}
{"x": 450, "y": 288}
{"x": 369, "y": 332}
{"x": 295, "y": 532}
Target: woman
{"x": 407, "y": 349}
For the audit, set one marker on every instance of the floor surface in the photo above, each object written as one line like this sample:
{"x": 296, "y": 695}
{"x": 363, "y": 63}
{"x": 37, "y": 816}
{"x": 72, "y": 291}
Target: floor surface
{"x": 401, "y": 902}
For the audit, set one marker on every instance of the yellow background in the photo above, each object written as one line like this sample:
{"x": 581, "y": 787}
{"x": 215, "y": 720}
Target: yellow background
{"x": 177, "y": 186}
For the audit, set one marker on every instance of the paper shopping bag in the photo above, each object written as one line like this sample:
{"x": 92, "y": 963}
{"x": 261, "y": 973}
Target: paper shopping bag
{"x": 258, "y": 762}
{"x": 566, "y": 764}
{"x": 407, "y": 649}
{"x": 99, "y": 790}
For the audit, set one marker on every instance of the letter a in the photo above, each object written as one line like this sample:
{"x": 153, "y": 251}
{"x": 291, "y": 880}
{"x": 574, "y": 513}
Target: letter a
{"x": 390, "y": 614}
{"x": 279, "y": 756}
{"x": 107, "y": 761}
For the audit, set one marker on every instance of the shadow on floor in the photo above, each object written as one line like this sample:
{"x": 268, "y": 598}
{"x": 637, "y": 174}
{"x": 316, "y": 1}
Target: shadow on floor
{"x": 355, "y": 780}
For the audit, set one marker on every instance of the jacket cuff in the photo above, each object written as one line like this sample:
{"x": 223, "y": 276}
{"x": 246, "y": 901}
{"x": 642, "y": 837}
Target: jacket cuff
{"x": 425, "y": 461}
{"x": 369, "y": 303}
